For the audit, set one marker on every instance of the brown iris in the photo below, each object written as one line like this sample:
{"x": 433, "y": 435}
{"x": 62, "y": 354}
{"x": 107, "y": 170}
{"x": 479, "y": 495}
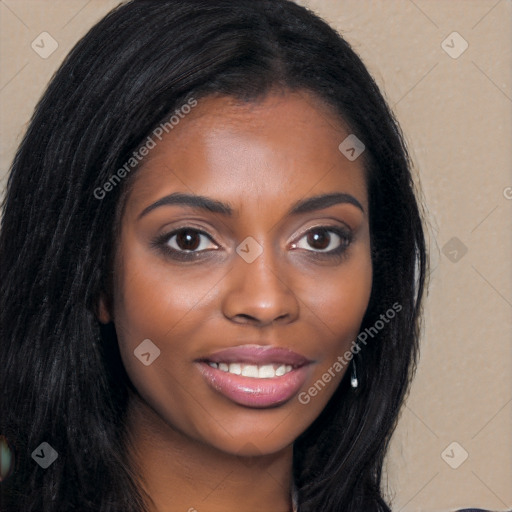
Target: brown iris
{"x": 187, "y": 239}
{"x": 319, "y": 239}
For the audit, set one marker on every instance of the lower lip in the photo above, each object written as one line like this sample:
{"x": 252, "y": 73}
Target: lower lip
{"x": 253, "y": 392}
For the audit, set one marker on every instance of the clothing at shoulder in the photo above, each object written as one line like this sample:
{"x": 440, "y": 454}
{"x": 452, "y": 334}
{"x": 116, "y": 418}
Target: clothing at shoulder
{"x": 478, "y": 510}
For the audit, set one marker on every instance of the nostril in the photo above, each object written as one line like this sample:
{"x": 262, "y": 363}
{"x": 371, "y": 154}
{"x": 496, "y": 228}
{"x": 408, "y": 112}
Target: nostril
{"x": 244, "y": 318}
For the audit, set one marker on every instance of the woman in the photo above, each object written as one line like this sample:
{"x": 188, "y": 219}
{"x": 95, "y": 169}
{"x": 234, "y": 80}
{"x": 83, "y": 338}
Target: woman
{"x": 212, "y": 267}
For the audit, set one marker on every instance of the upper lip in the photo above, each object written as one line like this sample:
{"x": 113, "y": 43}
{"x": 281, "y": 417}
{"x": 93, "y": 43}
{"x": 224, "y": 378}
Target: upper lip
{"x": 257, "y": 354}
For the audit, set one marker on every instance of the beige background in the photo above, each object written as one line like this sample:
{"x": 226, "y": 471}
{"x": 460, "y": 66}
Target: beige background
{"x": 457, "y": 117}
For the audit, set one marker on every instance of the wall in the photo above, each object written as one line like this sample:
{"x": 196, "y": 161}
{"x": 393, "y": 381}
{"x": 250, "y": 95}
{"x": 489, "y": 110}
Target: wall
{"x": 454, "y": 104}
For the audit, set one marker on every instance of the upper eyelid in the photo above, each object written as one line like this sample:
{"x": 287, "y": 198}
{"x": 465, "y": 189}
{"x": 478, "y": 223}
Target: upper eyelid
{"x": 345, "y": 229}
{"x": 175, "y": 230}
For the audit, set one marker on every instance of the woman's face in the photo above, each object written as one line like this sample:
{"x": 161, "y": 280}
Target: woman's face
{"x": 244, "y": 257}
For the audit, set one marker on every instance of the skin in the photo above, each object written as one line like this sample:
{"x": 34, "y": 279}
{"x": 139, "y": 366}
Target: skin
{"x": 194, "y": 448}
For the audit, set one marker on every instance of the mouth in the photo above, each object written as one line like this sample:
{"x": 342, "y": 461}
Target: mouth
{"x": 266, "y": 371}
{"x": 255, "y": 376}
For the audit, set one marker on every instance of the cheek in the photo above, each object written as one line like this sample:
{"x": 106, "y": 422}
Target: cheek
{"x": 336, "y": 304}
{"x": 338, "y": 298}
{"x": 169, "y": 308}
{"x": 154, "y": 300}
{"x": 161, "y": 302}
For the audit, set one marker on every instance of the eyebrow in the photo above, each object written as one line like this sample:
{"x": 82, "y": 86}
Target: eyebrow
{"x": 309, "y": 204}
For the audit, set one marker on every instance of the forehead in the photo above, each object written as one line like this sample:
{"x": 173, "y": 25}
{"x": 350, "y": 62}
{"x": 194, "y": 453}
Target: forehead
{"x": 280, "y": 148}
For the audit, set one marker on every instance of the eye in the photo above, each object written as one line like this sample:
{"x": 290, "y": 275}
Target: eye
{"x": 185, "y": 242}
{"x": 189, "y": 240}
{"x": 325, "y": 240}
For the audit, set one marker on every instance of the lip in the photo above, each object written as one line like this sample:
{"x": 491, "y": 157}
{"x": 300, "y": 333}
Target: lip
{"x": 257, "y": 354}
{"x": 255, "y": 392}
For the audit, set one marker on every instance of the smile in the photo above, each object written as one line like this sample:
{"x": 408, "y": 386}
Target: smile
{"x": 255, "y": 376}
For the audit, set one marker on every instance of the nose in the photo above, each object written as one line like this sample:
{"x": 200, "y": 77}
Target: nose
{"x": 259, "y": 293}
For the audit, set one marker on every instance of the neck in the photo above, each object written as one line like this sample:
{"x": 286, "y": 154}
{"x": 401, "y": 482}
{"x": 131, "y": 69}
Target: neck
{"x": 181, "y": 474}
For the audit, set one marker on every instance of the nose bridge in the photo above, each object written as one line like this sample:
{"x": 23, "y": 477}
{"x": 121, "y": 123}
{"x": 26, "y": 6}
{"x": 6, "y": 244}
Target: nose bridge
{"x": 265, "y": 272}
{"x": 258, "y": 285}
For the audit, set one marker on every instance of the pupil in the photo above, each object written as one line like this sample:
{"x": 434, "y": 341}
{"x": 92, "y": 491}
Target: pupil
{"x": 319, "y": 239}
{"x": 187, "y": 240}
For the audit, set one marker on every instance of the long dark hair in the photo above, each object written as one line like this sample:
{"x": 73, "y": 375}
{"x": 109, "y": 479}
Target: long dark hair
{"x": 62, "y": 380}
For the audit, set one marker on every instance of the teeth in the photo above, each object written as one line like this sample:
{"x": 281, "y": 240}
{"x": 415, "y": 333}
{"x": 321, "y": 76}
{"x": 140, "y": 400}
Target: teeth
{"x": 235, "y": 368}
{"x": 266, "y": 371}
{"x": 250, "y": 370}
{"x": 281, "y": 370}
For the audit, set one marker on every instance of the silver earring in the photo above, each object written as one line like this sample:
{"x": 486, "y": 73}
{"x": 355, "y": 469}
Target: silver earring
{"x": 353, "y": 377}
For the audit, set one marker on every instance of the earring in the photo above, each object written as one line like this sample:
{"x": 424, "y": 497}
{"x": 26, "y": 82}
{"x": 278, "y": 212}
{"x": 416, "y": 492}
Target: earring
{"x": 353, "y": 377}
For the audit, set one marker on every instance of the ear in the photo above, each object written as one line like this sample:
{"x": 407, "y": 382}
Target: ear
{"x": 103, "y": 310}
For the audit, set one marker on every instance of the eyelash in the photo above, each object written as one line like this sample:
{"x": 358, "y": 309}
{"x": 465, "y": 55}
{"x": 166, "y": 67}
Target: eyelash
{"x": 162, "y": 243}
